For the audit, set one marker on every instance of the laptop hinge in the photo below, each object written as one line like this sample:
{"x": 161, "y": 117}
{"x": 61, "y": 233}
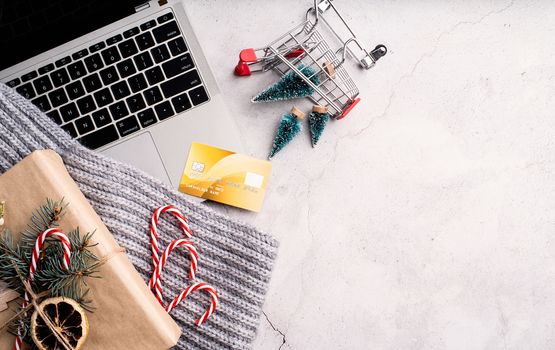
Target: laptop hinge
{"x": 142, "y": 7}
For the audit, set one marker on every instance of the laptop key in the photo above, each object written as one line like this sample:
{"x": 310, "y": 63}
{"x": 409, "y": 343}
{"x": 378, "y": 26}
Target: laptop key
{"x": 147, "y": 117}
{"x": 165, "y": 32}
{"x": 97, "y": 47}
{"x": 110, "y": 55}
{"x": 55, "y": 116}
{"x": 80, "y": 54}
{"x": 154, "y": 75}
{"x": 94, "y": 63}
{"x": 26, "y": 90}
{"x": 84, "y": 125}
{"x": 128, "y": 48}
{"x": 63, "y": 61}
{"x": 75, "y": 90}
{"x": 14, "y": 82}
{"x": 92, "y": 82}
{"x": 177, "y": 46}
{"x": 160, "y": 53}
{"x": 57, "y": 97}
{"x": 118, "y": 110}
{"x": 120, "y": 90}
{"x": 178, "y": 65}
{"x": 29, "y": 76}
{"x": 166, "y": 17}
{"x": 101, "y": 117}
{"x": 76, "y": 70}
{"x": 69, "y": 112}
{"x": 100, "y": 137}
{"x": 143, "y": 61}
{"x": 164, "y": 110}
{"x": 59, "y": 77}
{"x": 114, "y": 39}
{"x": 181, "y": 103}
{"x": 136, "y": 103}
{"x": 126, "y": 68}
{"x": 42, "y": 103}
{"x": 198, "y": 95}
{"x": 144, "y": 41}
{"x": 180, "y": 83}
{"x": 128, "y": 126}
{"x": 137, "y": 82}
{"x": 103, "y": 97}
{"x": 152, "y": 95}
{"x": 46, "y": 69}
{"x": 42, "y": 84}
{"x": 86, "y": 105}
{"x": 131, "y": 32}
{"x": 109, "y": 75}
{"x": 70, "y": 129}
{"x": 148, "y": 25}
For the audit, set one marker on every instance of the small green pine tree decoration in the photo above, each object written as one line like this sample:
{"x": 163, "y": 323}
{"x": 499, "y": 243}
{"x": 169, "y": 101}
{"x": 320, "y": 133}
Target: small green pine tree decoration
{"x": 290, "y": 86}
{"x": 289, "y": 126}
{"x": 51, "y": 278}
{"x": 317, "y": 120}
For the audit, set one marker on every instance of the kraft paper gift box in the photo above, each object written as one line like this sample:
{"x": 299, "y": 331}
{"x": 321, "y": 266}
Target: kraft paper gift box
{"x": 127, "y": 315}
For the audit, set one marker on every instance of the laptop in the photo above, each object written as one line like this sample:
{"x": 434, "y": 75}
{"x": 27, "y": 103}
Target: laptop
{"x": 126, "y": 78}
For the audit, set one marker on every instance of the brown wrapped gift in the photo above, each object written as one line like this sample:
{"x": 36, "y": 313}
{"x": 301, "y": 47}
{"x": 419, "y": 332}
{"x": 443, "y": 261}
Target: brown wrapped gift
{"x": 127, "y": 315}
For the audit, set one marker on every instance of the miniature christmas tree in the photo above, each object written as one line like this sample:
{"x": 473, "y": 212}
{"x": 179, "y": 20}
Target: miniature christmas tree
{"x": 51, "y": 279}
{"x": 290, "y": 86}
{"x": 289, "y": 127}
{"x": 317, "y": 120}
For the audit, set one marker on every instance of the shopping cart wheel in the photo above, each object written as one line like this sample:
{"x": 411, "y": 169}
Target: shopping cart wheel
{"x": 242, "y": 69}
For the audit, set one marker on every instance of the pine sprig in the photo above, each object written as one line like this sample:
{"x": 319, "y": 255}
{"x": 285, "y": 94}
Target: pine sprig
{"x": 45, "y": 217}
{"x": 12, "y": 259}
{"x": 50, "y": 275}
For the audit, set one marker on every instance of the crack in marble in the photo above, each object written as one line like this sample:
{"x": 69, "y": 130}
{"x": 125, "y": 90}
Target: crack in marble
{"x": 503, "y": 321}
{"x": 283, "y": 340}
{"x": 421, "y": 59}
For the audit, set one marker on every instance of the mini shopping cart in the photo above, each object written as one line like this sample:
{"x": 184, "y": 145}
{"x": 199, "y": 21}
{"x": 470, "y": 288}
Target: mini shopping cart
{"x": 304, "y": 45}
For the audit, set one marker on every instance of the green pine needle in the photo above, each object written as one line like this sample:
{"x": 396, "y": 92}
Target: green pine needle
{"x": 317, "y": 123}
{"x": 290, "y": 86}
{"x": 288, "y": 128}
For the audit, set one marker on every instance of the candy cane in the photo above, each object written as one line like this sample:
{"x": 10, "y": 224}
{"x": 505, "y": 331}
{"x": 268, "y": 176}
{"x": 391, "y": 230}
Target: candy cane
{"x": 197, "y": 286}
{"x": 155, "y": 279}
{"x": 183, "y": 224}
{"x": 39, "y": 244}
{"x": 159, "y": 263}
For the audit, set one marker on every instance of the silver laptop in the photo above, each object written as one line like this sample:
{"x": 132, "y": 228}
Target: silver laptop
{"x": 127, "y": 78}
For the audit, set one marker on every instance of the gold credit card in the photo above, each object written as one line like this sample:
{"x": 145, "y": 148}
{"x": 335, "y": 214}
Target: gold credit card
{"x": 225, "y": 177}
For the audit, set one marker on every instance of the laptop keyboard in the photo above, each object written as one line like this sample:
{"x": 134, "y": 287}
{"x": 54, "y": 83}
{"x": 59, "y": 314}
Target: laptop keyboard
{"x": 119, "y": 86}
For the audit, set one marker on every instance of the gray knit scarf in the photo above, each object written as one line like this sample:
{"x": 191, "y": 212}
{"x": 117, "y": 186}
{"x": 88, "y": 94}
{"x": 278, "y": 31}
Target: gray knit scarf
{"x": 236, "y": 258}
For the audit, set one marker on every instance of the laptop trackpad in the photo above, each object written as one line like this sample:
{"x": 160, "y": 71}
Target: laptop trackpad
{"x": 141, "y": 152}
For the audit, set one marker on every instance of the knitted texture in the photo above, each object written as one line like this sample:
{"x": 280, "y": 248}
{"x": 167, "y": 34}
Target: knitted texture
{"x": 235, "y": 258}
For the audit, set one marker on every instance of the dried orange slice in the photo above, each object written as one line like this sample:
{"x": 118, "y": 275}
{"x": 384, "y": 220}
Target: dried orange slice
{"x": 69, "y": 319}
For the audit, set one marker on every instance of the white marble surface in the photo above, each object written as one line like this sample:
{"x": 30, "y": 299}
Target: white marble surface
{"x": 425, "y": 220}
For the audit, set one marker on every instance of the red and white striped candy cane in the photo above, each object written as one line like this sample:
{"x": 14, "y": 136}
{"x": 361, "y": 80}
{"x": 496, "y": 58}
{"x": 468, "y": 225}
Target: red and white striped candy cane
{"x": 159, "y": 263}
{"x": 39, "y": 244}
{"x": 183, "y": 224}
{"x": 197, "y": 286}
{"x": 155, "y": 279}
